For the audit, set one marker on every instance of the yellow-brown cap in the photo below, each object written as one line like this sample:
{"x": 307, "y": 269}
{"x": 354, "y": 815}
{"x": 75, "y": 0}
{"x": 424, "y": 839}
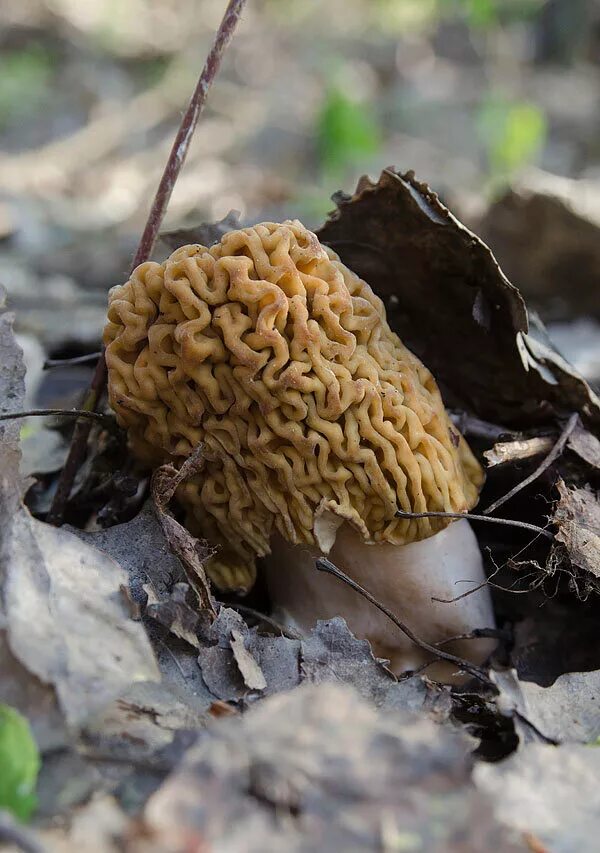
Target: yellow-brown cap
{"x": 311, "y": 411}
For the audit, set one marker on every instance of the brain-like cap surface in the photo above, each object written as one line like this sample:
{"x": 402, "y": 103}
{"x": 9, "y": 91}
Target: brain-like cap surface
{"x": 276, "y": 357}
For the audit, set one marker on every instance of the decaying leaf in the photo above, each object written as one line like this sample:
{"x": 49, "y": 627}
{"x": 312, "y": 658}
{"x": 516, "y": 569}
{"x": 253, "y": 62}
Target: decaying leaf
{"x": 63, "y": 620}
{"x": 550, "y": 791}
{"x": 276, "y": 660}
{"x": 191, "y": 552}
{"x": 66, "y": 780}
{"x": 174, "y": 613}
{"x": 18, "y": 686}
{"x": 320, "y": 769}
{"x": 329, "y": 654}
{"x": 66, "y": 619}
{"x": 568, "y": 711}
{"x": 435, "y": 274}
{"x": 577, "y": 516}
{"x": 332, "y": 653}
{"x": 544, "y": 227}
{"x": 139, "y": 546}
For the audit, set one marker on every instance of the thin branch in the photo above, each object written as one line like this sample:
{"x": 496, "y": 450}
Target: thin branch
{"x": 400, "y": 513}
{"x": 71, "y": 362}
{"x": 325, "y": 565}
{"x": 189, "y": 121}
{"x": 543, "y": 466}
{"x": 158, "y": 209}
{"x": 510, "y": 452}
{"x": 473, "y": 589}
{"x": 63, "y": 413}
{"x": 478, "y": 634}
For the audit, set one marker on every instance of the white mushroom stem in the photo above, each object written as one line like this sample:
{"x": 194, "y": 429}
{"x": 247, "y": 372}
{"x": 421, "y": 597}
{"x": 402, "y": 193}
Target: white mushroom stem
{"x": 406, "y": 578}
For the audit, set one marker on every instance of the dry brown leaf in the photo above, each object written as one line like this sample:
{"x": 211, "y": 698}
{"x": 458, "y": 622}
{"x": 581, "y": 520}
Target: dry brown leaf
{"x": 435, "y": 274}
{"x": 191, "y": 551}
{"x": 577, "y": 516}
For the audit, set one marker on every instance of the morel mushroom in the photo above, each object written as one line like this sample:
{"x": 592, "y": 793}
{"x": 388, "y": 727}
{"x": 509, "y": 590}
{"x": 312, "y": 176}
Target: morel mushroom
{"x": 317, "y": 425}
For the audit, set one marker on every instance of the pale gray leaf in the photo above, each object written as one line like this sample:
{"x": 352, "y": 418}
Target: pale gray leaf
{"x": 276, "y": 657}
{"x": 66, "y": 618}
{"x": 550, "y": 792}
{"x": 332, "y": 653}
{"x": 567, "y": 711}
{"x": 139, "y": 546}
{"x": 19, "y": 686}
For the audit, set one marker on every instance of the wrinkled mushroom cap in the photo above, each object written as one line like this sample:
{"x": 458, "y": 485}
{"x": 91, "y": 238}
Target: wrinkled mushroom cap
{"x": 279, "y": 360}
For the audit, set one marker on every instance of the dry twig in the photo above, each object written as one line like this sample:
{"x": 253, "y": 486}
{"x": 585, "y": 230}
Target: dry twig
{"x": 158, "y": 209}
{"x": 89, "y": 358}
{"x": 63, "y": 413}
{"x": 543, "y": 466}
{"x": 400, "y": 513}
{"x": 325, "y": 565}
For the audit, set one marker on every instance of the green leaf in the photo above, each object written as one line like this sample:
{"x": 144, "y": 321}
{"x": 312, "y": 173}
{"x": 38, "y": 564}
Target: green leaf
{"x": 481, "y": 13}
{"x": 346, "y": 132}
{"x": 25, "y": 75}
{"x": 512, "y": 133}
{"x": 491, "y": 14}
{"x": 19, "y": 764}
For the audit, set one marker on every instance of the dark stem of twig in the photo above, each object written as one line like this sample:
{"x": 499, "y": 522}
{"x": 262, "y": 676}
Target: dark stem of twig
{"x": 473, "y": 517}
{"x": 78, "y": 448}
{"x": 478, "y": 634}
{"x": 476, "y": 428}
{"x": 543, "y": 466}
{"x": 71, "y": 362}
{"x": 18, "y": 836}
{"x": 62, "y": 413}
{"x": 325, "y": 565}
{"x": 186, "y": 130}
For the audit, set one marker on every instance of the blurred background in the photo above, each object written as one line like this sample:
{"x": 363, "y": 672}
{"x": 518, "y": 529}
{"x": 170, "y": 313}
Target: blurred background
{"x": 493, "y": 102}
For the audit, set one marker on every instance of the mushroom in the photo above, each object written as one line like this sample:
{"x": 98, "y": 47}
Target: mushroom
{"x": 317, "y": 425}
